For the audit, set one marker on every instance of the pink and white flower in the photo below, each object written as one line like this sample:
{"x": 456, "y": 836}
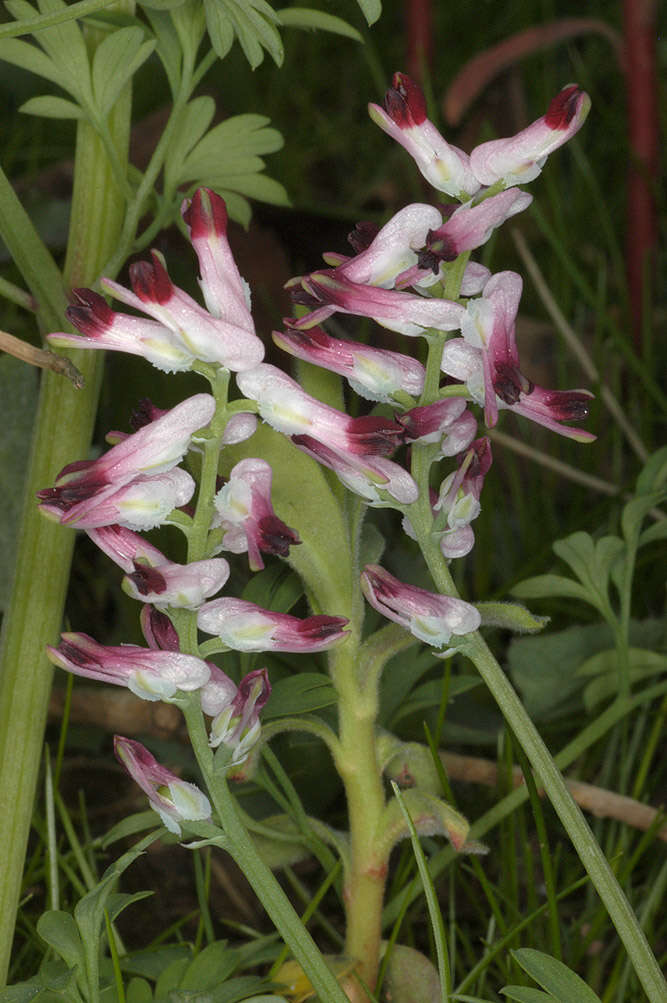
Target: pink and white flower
{"x": 374, "y": 478}
{"x": 134, "y": 483}
{"x": 290, "y": 410}
{"x": 458, "y": 500}
{"x": 236, "y": 726}
{"x": 152, "y": 578}
{"x": 174, "y": 800}
{"x": 403, "y": 117}
{"x": 244, "y": 626}
{"x": 149, "y": 673}
{"x": 245, "y": 513}
{"x": 430, "y": 617}
{"x": 374, "y": 373}
{"x": 520, "y": 158}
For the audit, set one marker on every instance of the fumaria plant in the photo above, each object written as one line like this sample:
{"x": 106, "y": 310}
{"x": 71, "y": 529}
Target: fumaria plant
{"x": 265, "y": 464}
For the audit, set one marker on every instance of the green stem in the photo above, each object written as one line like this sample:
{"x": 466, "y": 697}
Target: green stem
{"x": 242, "y": 849}
{"x": 358, "y": 766}
{"x": 63, "y": 427}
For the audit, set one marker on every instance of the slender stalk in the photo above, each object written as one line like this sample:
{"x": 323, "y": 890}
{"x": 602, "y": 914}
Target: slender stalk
{"x": 62, "y": 430}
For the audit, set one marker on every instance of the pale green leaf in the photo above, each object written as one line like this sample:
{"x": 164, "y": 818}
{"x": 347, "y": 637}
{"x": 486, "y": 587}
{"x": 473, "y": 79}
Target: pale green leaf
{"x": 564, "y": 985}
{"x": 550, "y": 587}
{"x": 302, "y": 693}
{"x": 50, "y": 106}
{"x": 59, "y": 931}
{"x": 29, "y": 57}
{"x": 317, "y": 20}
{"x": 220, "y": 29}
{"x": 511, "y": 616}
{"x": 192, "y": 124}
{"x": 168, "y": 46}
{"x": 116, "y": 59}
{"x": 371, "y": 9}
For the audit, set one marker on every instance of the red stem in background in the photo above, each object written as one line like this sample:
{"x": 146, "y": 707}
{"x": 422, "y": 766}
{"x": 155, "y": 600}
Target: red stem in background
{"x": 639, "y": 17}
{"x": 419, "y": 30}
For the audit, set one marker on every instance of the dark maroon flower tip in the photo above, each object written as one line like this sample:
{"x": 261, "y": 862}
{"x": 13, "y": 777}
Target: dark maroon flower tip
{"x": 89, "y": 313}
{"x": 147, "y": 579}
{"x": 482, "y": 457}
{"x": 158, "y": 629}
{"x": 363, "y": 235}
{"x": 301, "y": 297}
{"x": 247, "y": 685}
{"x": 404, "y": 102}
{"x": 567, "y": 405}
{"x": 374, "y": 436}
{"x": 74, "y": 654}
{"x": 275, "y": 537}
{"x": 150, "y": 280}
{"x": 563, "y": 107}
{"x": 509, "y": 383}
{"x": 318, "y": 628}
{"x": 144, "y": 413}
{"x": 206, "y": 214}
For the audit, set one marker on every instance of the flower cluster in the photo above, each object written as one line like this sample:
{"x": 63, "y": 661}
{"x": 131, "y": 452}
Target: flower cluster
{"x": 397, "y": 276}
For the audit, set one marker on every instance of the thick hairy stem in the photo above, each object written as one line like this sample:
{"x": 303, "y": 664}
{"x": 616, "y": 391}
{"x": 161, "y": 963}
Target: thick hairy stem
{"x": 63, "y": 427}
{"x": 358, "y": 766}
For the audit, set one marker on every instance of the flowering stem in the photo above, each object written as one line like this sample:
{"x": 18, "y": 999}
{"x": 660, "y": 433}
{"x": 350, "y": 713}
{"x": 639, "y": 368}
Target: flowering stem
{"x": 63, "y": 427}
{"x": 583, "y": 840}
{"x": 243, "y": 850}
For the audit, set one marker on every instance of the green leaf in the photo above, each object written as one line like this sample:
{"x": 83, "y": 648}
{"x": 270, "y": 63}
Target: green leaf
{"x": 299, "y": 694}
{"x": 254, "y": 24}
{"x": 50, "y": 106}
{"x": 276, "y": 588}
{"x": 131, "y": 825}
{"x": 29, "y": 57}
{"x": 192, "y": 124}
{"x": 371, "y": 9}
{"x": 19, "y": 388}
{"x": 636, "y": 511}
{"x": 544, "y": 669}
{"x": 316, "y": 20}
{"x": 149, "y": 963}
{"x": 64, "y": 45}
{"x": 116, "y": 60}
{"x": 559, "y": 980}
{"x": 170, "y": 978}
{"x": 138, "y": 991}
{"x": 119, "y": 901}
{"x": 658, "y": 531}
{"x": 212, "y": 966}
{"x": 168, "y": 46}
{"x": 59, "y": 931}
{"x": 524, "y": 994}
{"x": 20, "y": 993}
{"x": 220, "y": 29}
{"x": 550, "y": 587}
{"x": 428, "y": 695}
{"x": 511, "y": 616}
{"x": 654, "y": 475}
{"x": 604, "y": 665}
{"x": 254, "y": 186}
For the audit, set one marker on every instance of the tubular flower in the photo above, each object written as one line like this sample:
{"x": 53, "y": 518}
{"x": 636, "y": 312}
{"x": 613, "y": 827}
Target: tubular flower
{"x": 243, "y": 626}
{"x": 405, "y": 313}
{"x": 149, "y": 673}
{"x": 180, "y": 331}
{"x": 290, "y": 410}
{"x": 404, "y": 119}
{"x": 428, "y": 616}
{"x": 152, "y": 578}
{"x": 144, "y": 503}
{"x": 173, "y": 799}
{"x": 374, "y": 478}
{"x": 487, "y": 360}
{"x": 458, "y": 499}
{"x": 374, "y": 373}
{"x": 158, "y": 630}
{"x": 435, "y": 422}
{"x": 104, "y": 328}
{"x": 470, "y": 226}
{"x": 520, "y": 158}
{"x": 237, "y": 725}
{"x": 245, "y": 513}
{"x": 392, "y": 250}
{"x": 142, "y": 462}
